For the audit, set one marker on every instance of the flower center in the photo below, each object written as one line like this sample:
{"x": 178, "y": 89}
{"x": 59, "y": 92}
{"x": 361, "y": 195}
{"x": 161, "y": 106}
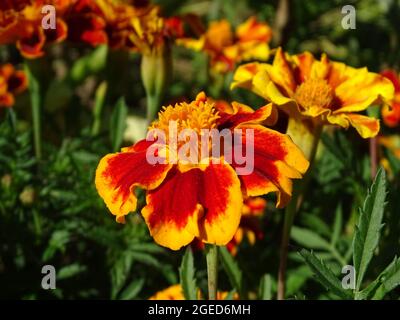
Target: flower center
{"x": 196, "y": 115}
{"x": 314, "y": 93}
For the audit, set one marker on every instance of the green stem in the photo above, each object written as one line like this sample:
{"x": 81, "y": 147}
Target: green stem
{"x": 153, "y": 106}
{"x": 299, "y": 189}
{"x": 98, "y": 107}
{"x": 35, "y": 93}
{"x": 212, "y": 271}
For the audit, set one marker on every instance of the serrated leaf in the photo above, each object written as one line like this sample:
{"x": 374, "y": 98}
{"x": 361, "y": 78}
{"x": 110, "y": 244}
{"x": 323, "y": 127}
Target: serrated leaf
{"x": 369, "y": 226}
{"x": 265, "y": 290}
{"x": 119, "y": 273}
{"x": 118, "y": 123}
{"x": 132, "y": 290}
{"x": 187, "y": 275}
{"x": 389, "y": 279}
{"x": 232, "y": 269}
{"x": 324, "y": 275}
{"x": 309, "y": 239}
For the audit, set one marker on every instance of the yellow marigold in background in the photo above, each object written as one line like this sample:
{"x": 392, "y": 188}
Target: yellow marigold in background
{"x": 175, "y": 292}
{"x": 21, "y": 24}
{"x": 187, "y": 201}
{"x": 320, "y": 91}
{"x": 391, "y": 113}
{"x": 253, "y": 209}
{"x": 392, "y": 144}
{"x": 12, "y": 82}
{"x": 227, "y": 48}
{"x": 249, "y": 227}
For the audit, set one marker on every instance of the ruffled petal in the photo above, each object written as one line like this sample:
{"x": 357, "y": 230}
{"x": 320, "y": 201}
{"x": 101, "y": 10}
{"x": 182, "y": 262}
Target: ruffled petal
{"x": 282, "y": 74}
{"x": 196, "y": 203}
{"x": 244, "y": 114}
{"x": 118, "y": 174}
{"x": 367, "y": 127}
{"x": 276, "y": 160}
{"x": 361, "y": 90}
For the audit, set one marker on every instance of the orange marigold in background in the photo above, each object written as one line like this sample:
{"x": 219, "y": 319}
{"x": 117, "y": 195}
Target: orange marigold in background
{"x": 21, "y": 24}
{"x": 186, "y": 201}
{"x": 392, "y": 144}
{"x": 12, "y": 82}
{"x": 318, "y": 91}
{"x": 227, "y": 48}
{"x": 175, "y": 292}
{"x": 391, "y": 113}
{"x": 249, "y": 227}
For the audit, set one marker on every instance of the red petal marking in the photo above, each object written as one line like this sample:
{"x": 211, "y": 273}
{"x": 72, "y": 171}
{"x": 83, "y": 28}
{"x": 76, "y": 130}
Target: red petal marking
{"x": 176, "y": 199}
{"x": 32, "y": 46}
{"x": 132, "y": 168}
{"x": 392, "y": 76}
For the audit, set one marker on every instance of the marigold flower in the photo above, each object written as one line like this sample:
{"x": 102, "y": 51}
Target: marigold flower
{"x": 322, "y": 91}
{"x": 204, "y": 200}
{"x": 227, "y": 48}
{"x": 391, "y": 143}
{"x": 391, "y": 116}
{"x": 12, "y": 82}
{"x": 22, "y": 25}
{"x": 175, "y": 292}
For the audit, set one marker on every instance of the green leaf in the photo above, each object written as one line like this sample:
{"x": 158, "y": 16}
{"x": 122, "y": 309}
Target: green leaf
{"x": 265, "y": 290}
{"x": 119, "y": 272}
{"x": 118, "y": 123}
{"x": 337, "y": 225}
{"x": 388, "y": 279}
{"x": 70, "y": 271}
{"x": 324, "y": 275}
{"x": 89, "y": 64}
{"x": 367, "y": 232}
{"x": 232, "y": 269}
{"x": 187, "y": 275}
{"x": 145, "y": 258}
{"x": 309, "y": 239}
{"x": 132, "y": 290}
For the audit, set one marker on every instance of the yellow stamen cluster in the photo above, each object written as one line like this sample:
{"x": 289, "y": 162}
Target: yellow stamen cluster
{"x": 196, "y": 115}
{"x": 313, "y": 93}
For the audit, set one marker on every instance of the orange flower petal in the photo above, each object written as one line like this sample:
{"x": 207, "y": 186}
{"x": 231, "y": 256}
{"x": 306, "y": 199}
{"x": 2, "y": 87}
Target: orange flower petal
{"x": 362, "y": 89}
{"x": 118, "y": 174}
{"x": 6, "y": 100}
{"x": 57, "y": 35}
{"x": 281, "y": 73}
{"x": 367, "y": 127}
{"x": 244, "y": 114}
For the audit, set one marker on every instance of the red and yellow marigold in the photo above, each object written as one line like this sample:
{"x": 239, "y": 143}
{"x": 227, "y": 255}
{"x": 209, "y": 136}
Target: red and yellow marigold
{"x": 186, "y": 201}
{"x": 226, "y": 48}
{"x": 22, "y": 25}
{"x": 321, "y": 91}
{"x": 391, "y": 113}
{"x": 12, "y": 82}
